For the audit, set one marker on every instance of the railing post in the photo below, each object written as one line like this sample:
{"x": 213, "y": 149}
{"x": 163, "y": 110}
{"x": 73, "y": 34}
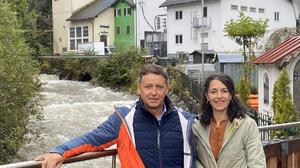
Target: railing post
{"x": 113, "y": 161}
{"x": 284, "y": 154}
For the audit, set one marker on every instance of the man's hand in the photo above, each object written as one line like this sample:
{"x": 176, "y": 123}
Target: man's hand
{"x": 50, "y": 160}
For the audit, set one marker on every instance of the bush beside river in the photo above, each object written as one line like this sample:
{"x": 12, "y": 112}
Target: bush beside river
{"x": 19, "y": 86}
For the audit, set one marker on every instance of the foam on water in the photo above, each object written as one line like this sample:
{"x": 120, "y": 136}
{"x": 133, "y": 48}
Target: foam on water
{"x": 70, "y": 109}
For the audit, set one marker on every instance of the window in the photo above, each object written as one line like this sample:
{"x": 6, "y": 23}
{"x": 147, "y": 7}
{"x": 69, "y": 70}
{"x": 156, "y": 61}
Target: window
{"x": 72, "y": 45}
{"x": 178, "y": 15}
{"x": 164, "y": 22}
{"x": 244, "y": 8}
{"x": 205, "y": 46}
{"x": 78, "y": 32}
{"x": 117, "y": 12}
{"x": 118, "y": 30}
{"x": 128, "y": 29}
{"x": 266, "y": 88}
{"x": 72, "y": 32}
{"x": 78, "y": 35}
{"x": 178, "y": 39}
{"x": 158, "y": 23}
{"x": 276, "y": 16}
{"x": 205, "y": 35}
{"x": 261, "y": 10}
{"x": 234, "y": 7}
{"x": 205, "y": 12}
{"x": 127, "y": 11}
{"x": 252, "y": 9}
{"x": 85, "y": 31}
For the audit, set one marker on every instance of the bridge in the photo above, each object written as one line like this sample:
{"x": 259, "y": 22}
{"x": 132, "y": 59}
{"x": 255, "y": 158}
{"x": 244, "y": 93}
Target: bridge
{"x": 283, "y": 153}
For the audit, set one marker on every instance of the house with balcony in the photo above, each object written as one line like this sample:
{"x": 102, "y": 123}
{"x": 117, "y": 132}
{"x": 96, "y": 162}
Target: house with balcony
{"x": 191, "y": 25}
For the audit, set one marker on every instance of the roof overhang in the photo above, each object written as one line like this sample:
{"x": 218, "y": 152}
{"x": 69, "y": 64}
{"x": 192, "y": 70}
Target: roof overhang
{"x": 230, "y": 58}
{"x": 284, "y": 49}
{"x": 205, "y": 52}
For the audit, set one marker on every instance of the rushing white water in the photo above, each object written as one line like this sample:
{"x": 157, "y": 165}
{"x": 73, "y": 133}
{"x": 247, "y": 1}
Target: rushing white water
{"x": 70, "y": 109}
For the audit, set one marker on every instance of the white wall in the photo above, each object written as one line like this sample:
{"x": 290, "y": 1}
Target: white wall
{"x": 273, "y": 73}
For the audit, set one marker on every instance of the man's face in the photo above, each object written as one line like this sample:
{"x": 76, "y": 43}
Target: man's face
{"x": 153, "y": 89}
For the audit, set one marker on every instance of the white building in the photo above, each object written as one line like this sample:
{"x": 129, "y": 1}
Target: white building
{"x": 184, "y": 22}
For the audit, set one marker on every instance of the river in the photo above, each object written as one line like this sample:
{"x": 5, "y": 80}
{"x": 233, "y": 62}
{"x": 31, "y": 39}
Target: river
{"x": 71, "y": 108}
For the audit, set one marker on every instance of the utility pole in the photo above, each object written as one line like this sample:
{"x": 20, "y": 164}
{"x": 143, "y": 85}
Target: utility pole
{"x": 202, "y": 43}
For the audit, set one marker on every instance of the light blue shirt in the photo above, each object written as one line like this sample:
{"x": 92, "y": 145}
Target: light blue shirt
{"x": 164, "y": 111}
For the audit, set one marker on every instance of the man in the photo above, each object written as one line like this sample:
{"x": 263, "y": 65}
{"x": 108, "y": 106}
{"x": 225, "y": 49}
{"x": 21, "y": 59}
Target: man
{"x": 152, "y": 133}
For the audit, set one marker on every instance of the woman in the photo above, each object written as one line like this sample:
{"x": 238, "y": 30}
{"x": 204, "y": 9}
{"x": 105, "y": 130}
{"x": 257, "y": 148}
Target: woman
{"x": 224, "y": 135}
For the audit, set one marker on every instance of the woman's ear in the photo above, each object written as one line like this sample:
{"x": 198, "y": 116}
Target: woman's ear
{"x": 206, "y": 97}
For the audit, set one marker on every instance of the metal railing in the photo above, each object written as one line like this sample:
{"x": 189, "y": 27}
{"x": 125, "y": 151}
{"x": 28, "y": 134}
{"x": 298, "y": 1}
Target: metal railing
{"x": 193, "y": 87}
{"x": 72, "y": 56}
{"x": 266, "y": 131}
{"x": 82, "y": 157}
{"x": 267, "y": 141}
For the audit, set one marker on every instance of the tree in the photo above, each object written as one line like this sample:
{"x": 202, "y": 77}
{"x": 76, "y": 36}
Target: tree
{"x": 245, "y": 31}
{"x": 279, "y": 36}
{"x": 120, "y": 70}
{"x": 35, "y": 20}
{"x": 282, "y": 104}
{"x": 19, "y": 85}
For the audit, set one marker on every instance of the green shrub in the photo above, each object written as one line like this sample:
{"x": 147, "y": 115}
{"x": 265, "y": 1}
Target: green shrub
{"x": 244, "y": 89}
{"x": 19, "y": 86}
{"x": 120, "y": 70}
{"x": 283, "y": 106}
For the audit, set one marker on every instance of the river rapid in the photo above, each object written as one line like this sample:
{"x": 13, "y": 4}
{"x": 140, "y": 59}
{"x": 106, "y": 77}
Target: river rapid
{"x": 71, "y": 108}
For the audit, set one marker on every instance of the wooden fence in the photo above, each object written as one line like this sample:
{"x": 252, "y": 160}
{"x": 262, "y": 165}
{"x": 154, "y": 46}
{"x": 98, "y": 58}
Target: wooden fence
{"x": 283, "y": 153}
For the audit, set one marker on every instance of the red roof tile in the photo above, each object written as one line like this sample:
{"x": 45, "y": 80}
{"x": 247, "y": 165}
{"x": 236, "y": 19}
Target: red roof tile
{"x": 280, "y": 51}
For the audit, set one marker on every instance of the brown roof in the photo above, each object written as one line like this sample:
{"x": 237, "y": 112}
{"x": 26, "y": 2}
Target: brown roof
{"x": 280, "y": 51}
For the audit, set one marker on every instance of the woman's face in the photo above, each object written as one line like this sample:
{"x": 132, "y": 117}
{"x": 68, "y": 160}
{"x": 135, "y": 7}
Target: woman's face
{"x": 218, "y": 96}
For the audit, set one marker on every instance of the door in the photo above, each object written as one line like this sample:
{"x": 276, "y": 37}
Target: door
{"x": 296, "y": 88}
{"x": 103, "y": 38}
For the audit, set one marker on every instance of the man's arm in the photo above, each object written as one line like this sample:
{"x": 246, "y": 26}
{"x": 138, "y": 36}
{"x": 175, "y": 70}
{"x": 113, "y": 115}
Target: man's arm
{"x": 98, "y": 139}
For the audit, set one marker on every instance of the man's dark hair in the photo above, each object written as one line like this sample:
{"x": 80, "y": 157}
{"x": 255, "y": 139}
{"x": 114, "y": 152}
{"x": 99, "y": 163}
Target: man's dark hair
{"x": 235, "y": 107}
{"x": 155, "y": 69}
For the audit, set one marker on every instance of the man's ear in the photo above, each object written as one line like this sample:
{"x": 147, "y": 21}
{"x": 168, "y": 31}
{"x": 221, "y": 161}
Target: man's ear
{"x": 167, "y": 90}
{"x": 138, "y": 92}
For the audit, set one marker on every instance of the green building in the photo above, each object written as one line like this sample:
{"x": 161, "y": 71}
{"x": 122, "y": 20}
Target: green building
{"x": 124, "y": 23}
